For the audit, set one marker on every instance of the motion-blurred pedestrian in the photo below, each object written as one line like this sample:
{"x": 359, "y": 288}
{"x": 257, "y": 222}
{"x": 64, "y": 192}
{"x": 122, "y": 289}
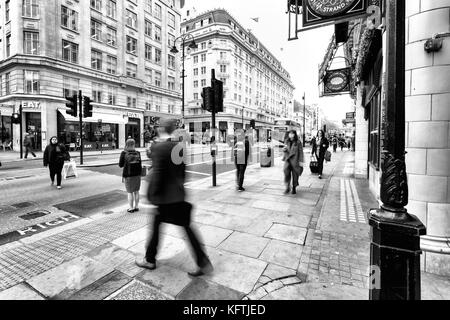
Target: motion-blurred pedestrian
{"x": 166, "y": 191}
{"x": 293, "y": 161}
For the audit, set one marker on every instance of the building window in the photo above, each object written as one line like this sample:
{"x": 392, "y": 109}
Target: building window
{"x": 111, "y": 9}
{"x": 111, "y": 65}
{"x": 97, "y": 92}
{"x": 148, "y": 75}
{"x": 157, "y": 12}
{"x": 224, "y": 81}
{"x": 171, "y": 83}
{"x": 112, "y": 95}
{"x": 31, "y": 81}
{"x": 223, "y": 68}
{"x": 171, "y": 20}
{"x": 196, "y": 84}
{"x": 171, "y": 61}
{"x": 148, "y": 6}
{"x": 203, "y": 83}
{"x": 7, "y": 11}
{"x": 96, "y": 30}
{"x": 195, "y": 59}
{"x": 203, "y": 46}
{"x": 70, "y": 86}
{"x": 148, "y": 28}
{"x": 170, "y": 40}
{"x": 196, "y": 72}
{"x": 203, "y": 57}
{"x": 148, "y": 52}
{"x": 96, "y": 60}
{"x": 131, "y": 102}
{"x": 69, "y": 18}
{"x": 7, "y": 83}
{"x": 157, "y": 56}
{"x": 374, "y": 130}
{"x": 203, "y": 70}
{"x": 223, "y": 55}
{"x": 131, "y": 45}
{"x": 30, "y": 8}
{"x": 157, "y": 33}
{"x": 111, "y": 36}
{"x": 8, "y": 45}
{"x": 96, "y": 4}
{"x": 158, "y": 79}
{"x": 131, "y": 19}
{"x": 195, "y": 96}
{"x": 69, "y": 51}
{"x": 131, "y": 70}
{"x": 148, "y": 102}
{"x": 31, "y": 43}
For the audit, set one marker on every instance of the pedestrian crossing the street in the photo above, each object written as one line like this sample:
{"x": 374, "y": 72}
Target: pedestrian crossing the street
{"x": 351, "y": 209}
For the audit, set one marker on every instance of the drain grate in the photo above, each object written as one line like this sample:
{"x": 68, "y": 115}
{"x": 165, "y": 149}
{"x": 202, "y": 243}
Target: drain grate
{"x": 21, "y": 205}
{"x": 35, "y": 214}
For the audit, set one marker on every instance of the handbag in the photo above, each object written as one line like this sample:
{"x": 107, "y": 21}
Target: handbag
{"x": 314, "y": 165}
{"x": 328, "y": 156}
{"x": 176, "y": 213}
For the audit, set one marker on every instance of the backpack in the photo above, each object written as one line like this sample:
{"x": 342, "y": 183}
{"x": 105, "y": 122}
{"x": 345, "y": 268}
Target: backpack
{"x": 133, "y": 165}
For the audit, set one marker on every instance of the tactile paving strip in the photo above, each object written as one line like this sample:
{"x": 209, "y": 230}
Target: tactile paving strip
{"x": 27, "y": 261}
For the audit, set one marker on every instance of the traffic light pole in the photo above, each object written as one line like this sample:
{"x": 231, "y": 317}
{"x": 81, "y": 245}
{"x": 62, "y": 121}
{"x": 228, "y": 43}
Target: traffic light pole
{"x": 304, "y": 120}
{"x": 80, "y": 108}
{"x": 213, "y": 114}
{"x": 21, "y": 132}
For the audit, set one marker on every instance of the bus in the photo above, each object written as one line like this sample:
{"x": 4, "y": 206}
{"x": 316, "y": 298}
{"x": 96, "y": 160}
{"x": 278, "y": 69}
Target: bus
{"x": 282, "y": 127}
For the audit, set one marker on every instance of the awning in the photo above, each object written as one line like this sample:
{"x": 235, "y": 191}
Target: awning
{"x": 106, "y": 118}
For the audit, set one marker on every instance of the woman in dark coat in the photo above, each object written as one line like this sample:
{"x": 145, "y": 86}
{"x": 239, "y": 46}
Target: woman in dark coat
{"x": 293, "y": 161}
{"x": 322, "y": 145}
{"x": 54, "y": 156}
{"x": 130, "y": 161}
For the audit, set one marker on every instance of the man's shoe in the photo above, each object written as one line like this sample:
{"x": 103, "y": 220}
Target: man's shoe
{"x": 241, "y": 189}
{"x": 320, "y": 177}
{"x": 294, "y": 191}
{"x": 58, "y": 187}
{"x": 287, "y": 191}
{"x": 145, "y": 264}
{"x": 208, "y": 268}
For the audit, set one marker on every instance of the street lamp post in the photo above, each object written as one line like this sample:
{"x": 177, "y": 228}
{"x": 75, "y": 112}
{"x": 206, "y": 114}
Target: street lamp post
{"x": 184, "y": 37}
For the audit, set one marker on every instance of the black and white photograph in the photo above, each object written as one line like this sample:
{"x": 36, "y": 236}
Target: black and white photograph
{"x": 221, "y": 156}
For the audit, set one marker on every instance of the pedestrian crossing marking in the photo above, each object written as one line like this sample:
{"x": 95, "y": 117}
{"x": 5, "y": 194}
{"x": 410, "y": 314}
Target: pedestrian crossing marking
{"x": 351, "y": 209}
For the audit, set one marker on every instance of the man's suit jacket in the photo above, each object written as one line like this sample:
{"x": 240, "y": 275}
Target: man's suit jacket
{"x": 166, "y": 182}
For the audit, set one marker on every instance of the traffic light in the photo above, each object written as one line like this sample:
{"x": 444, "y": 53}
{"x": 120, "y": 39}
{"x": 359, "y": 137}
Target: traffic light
{"x": 72, "y": 105}
{"x": 252, "y": 124}
{"x": 208, "y": 99}
{"x": 16, "y": 118}
{"x": 218, "y": 95}
{"x": 87, "y": 107}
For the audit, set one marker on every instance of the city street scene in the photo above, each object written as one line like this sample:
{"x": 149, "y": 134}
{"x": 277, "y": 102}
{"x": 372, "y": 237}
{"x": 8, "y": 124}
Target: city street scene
{"x": 224, "y": 150}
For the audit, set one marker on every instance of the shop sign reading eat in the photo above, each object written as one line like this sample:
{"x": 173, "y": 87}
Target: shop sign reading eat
{"x": 31, "y": 105}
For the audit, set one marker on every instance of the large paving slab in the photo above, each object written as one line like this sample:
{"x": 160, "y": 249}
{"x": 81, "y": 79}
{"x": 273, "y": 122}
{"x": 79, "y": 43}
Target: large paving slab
{"x": 132, "y": 238}
{"x": 168, "y": 247}
{"x": 111, "y": 255}
{"x": 318, "y": 291}
{"x": 245, "y": 244}
{"x": 20, "y": 292}
{"x": 210, "y": 235}
{"x": 67, "y": 278}
{"x": 282, "y": 253}
{"x": 287, "y": 233}
{"x": 299, "y": 219}
{"x": 137, "y": 290}
{"x": 200, "y": 289}
{"x": 169, "y": 280}
{"x": 269, "y": 205}
{"x": 103, "y": 287}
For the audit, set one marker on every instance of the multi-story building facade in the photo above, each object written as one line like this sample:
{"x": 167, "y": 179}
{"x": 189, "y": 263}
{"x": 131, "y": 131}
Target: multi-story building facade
{"x": 427, "y": 110}
{"x": 256, "y": 86}
{"x": 115, "y": 51}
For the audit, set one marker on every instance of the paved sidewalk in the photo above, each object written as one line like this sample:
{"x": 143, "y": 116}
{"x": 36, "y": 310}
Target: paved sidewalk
{"x": 263, "y": 244}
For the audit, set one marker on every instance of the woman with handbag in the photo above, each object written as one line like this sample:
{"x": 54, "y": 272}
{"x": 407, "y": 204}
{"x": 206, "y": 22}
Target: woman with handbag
{"x": 321, "y": 147}
{"x": 293, "y": 161}
{"x": 54, "y": 156}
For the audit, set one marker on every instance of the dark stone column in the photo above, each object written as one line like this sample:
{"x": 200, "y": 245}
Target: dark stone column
{"x": 395, "y": 247}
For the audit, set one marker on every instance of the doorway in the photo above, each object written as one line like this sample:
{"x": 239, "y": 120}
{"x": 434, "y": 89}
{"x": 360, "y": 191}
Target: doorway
{"x": 33, "y": 125}
{"x": 133, "y": 130}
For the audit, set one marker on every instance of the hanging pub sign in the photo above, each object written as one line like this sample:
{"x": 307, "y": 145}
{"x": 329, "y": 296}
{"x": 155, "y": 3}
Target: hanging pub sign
{"x": 336, "y": 82}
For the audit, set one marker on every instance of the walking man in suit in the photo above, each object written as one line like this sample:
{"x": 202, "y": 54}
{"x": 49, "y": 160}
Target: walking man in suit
{"x": 166, "y": 191}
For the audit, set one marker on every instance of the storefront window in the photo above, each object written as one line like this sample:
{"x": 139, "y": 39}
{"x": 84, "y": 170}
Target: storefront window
{"x": 5, "y": 132}
{"x": 96, "y": 136}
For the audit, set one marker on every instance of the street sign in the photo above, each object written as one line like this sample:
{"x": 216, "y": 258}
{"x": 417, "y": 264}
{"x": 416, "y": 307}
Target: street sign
{"x": 350, "y": 116}
{"x": 336, "y": 82}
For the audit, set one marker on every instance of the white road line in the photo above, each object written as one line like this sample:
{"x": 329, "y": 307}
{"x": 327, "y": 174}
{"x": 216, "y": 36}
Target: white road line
{"x": 343, "y": 203}
{"x": 199, "y": 173}
{"x": 361, "y": 215}
{"x": 350, "y": 202}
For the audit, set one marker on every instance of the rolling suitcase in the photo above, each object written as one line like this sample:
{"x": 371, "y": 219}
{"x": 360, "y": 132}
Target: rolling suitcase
{"x": 314, "y": 165}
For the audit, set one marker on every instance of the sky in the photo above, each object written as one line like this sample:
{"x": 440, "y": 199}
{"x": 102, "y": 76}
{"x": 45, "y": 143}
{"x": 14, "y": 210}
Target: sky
{"x": 300, "y": 58}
